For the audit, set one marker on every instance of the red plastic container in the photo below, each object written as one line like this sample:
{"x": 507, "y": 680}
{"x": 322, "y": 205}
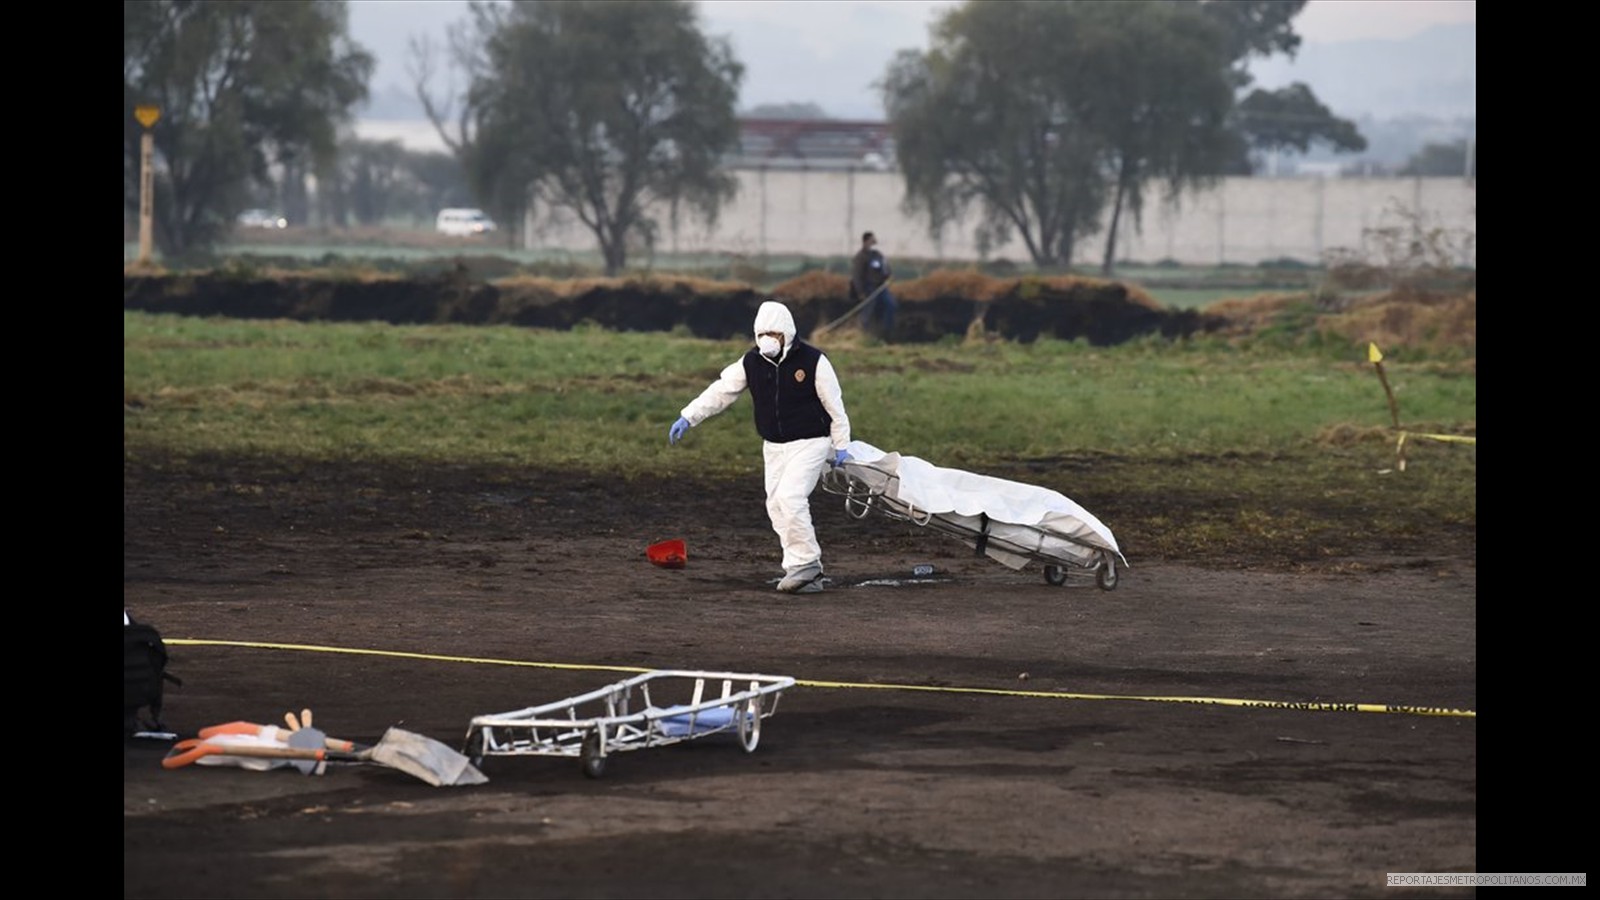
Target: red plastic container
{"x": 671, "y": 554}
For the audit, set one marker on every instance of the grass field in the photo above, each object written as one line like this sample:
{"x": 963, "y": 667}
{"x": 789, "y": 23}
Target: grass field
{"x": 502, "y": 392}
{"x": 1249, "y": 422}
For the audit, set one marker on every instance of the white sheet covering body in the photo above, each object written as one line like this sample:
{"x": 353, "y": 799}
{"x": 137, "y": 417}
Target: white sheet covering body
{"x": 1024, "y": 522}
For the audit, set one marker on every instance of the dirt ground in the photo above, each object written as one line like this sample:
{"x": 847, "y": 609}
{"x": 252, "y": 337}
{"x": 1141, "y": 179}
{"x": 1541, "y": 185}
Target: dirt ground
{"x": 912, "y": 759}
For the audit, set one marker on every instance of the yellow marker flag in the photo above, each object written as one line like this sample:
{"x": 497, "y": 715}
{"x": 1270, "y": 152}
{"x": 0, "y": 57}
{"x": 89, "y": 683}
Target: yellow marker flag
{"x": 1376, "y": 357}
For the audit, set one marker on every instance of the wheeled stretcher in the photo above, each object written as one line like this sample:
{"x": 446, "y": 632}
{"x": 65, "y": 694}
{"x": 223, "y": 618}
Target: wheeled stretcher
{"x": 666, "y": 706}
{"x": 1008, "y": 521}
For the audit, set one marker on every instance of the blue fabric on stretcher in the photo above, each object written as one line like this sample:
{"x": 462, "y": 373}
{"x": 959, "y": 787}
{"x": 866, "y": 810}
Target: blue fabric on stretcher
{"x": 679, "y": 724}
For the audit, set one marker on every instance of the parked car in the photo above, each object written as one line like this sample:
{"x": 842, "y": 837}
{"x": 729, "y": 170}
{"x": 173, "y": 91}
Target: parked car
{"x": 464, "y": 222}
{"x": 260, "y": 218}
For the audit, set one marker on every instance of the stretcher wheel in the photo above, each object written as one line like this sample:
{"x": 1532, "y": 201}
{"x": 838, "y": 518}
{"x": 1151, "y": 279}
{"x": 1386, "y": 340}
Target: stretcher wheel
{"x": 477, "y": 748}
{"x": 1055, "y": 575}
{"x": 750, "y": 724}
{"x": 594, "y": 762}
{"x": 1106, "y": 576}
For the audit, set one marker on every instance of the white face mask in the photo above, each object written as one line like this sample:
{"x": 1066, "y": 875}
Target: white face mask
{"x": 768, "y": 345}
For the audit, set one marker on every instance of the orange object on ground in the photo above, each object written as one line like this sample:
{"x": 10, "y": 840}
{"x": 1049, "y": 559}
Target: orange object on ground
{"x": 671, "y": 554}
{"x": 250, "y": 728}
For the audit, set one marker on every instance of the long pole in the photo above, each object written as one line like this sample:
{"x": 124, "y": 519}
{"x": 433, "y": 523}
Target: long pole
{"x": 146, "y": 197}
{"x": 147, "y": 116}
{"x": 853, "y": 310}
{"x": 1375, "y": 356}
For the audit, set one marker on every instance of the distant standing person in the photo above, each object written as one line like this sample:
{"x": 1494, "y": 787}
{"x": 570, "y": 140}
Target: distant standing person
{"x": 799, "y": 413}
{"x": 869, "y": 272}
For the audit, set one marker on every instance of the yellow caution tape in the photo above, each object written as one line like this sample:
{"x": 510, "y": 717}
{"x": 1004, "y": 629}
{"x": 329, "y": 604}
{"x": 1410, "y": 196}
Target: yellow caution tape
{"x": 1456, "y": 438}
{"x": 1375, "y": 356}
{"x": 1305, "y": 706}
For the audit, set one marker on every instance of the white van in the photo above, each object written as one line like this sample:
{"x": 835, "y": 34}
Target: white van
{"x": 463, "y": 222}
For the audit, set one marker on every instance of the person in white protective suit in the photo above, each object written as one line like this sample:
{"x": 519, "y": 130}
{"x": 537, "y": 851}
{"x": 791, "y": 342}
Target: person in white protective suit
{"x": 800, "y": 415}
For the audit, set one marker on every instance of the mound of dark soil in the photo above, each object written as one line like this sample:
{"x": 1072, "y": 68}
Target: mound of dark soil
{"x": 1101, "y": 313}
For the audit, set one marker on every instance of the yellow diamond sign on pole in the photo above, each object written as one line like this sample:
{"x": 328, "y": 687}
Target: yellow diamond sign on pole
{"x": 147, "y": 115}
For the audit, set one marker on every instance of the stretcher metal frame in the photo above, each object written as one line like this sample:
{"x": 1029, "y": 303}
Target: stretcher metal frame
{"x": 654, "y": 709}
{"x": 862, "y": 496}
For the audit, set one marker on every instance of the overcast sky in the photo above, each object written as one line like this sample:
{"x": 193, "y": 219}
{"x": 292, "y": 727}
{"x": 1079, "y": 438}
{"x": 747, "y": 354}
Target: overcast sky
{"x": 829, "y": 52}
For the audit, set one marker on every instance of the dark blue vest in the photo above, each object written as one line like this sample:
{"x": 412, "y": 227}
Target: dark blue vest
{"x": 785, "y": 395}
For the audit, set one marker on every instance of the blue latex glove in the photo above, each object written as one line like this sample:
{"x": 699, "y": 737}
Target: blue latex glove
{"x": 840, "y": 457}
{"x": 678, "y": 429}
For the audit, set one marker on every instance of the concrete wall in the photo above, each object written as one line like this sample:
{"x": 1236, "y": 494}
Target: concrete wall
{"x": 1243, "y": 221}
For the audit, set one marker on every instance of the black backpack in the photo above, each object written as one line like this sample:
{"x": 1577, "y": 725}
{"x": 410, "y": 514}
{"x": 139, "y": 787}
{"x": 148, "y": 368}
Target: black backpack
{"x": 144, "y": 676}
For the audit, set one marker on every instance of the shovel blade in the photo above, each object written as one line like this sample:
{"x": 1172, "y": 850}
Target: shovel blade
{"x": 423, "y": 757}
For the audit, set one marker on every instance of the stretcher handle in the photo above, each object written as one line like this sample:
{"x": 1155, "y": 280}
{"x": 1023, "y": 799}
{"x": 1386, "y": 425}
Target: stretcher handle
{"x": 854, "y": 489}
{"x": 195, "y": 749}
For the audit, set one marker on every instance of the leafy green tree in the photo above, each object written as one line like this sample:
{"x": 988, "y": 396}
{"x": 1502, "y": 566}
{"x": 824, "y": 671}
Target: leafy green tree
{"x": 599, "y": 107}
{"x": 1181, "y": 67}
{"x": 996, "y": 114}
{"x": 1287, "y": 119}
{"x": 1164, "y": 114}
{"x": 243, "y": 87}
{"x": 1177, "y": 121}
{"x": 1042, "y": 112}
{"x": 1292, "y": 118}
{"x": 1255, "y": 28}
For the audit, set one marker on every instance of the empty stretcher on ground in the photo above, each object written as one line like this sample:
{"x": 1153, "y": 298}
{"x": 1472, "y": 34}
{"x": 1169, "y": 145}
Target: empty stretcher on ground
{"x": 658, "y": 708}
{"x": 1008, "y": 521}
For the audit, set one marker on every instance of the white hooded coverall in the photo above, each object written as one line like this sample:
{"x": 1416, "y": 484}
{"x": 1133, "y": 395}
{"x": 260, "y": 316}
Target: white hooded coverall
{"x": 793, "y": 468}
